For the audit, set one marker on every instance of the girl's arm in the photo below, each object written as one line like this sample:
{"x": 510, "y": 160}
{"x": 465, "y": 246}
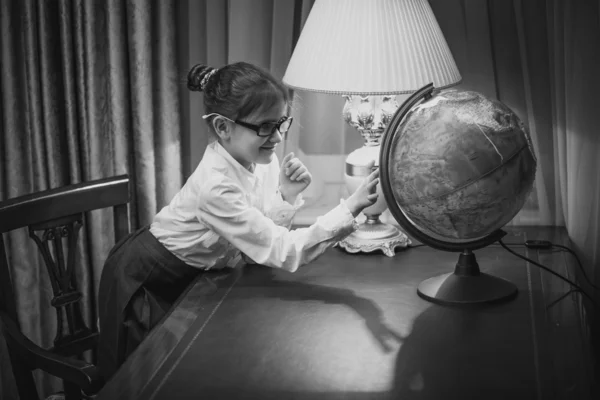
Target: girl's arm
{"x": 222, "y": 206}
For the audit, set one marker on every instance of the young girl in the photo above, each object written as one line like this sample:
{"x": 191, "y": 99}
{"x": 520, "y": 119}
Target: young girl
{"x": 236, "y": 207}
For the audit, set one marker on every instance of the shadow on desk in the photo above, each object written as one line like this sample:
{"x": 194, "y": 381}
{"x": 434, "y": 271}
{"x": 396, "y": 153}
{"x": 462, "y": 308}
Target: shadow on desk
{"x": 366, "y": 309}
{"x": 443, "y": 353}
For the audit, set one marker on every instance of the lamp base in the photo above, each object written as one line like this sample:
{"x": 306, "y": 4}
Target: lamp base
{"x": 375, "y": 235}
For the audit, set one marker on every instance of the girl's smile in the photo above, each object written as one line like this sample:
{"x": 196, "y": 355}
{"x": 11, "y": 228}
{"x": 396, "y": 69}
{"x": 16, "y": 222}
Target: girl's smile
{"x": 269, "y": 148}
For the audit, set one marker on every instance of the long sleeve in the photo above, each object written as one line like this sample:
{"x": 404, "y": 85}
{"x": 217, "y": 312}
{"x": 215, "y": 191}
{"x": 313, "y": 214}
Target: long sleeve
{"x": 282, "y": 212}
{"x": 224, "y": 208}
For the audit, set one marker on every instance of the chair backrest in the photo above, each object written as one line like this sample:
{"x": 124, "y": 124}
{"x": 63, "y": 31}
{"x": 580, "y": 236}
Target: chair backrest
{"x": 54, "y": 219}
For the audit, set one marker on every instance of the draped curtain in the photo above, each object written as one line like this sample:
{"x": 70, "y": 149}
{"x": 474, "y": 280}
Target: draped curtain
{"x": 88, "y": 89}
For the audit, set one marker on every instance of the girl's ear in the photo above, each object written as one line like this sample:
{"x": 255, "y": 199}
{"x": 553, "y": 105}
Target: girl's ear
{"x": 222, "y": 128}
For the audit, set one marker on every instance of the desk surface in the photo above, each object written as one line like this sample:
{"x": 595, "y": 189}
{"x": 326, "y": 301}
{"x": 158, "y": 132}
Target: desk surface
{"x": 351, "y": 326}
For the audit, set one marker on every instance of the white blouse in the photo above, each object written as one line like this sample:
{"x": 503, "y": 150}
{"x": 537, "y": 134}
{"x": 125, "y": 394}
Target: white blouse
{"x": 225, "y": 211}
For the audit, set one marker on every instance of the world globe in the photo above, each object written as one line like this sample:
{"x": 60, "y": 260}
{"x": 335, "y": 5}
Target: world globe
{"x": 455, "y": 167}
{"x": 462, "y": 165}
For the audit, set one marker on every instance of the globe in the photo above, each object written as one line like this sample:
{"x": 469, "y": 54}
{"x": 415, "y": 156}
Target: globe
{"x": 462, "y": 165}
{"x": 455, "y": 167}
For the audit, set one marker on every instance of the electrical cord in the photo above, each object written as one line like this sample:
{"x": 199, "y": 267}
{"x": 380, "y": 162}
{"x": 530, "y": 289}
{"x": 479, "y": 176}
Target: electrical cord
{"x": 578, "y": 263}
{"x": 547, "y": 245}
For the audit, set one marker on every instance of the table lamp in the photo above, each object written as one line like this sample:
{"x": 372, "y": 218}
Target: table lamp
{"x": 370, "y": 51}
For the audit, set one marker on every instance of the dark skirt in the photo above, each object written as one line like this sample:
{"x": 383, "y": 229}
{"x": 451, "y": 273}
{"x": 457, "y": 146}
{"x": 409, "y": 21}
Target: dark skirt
{"x": 140, "y": 282}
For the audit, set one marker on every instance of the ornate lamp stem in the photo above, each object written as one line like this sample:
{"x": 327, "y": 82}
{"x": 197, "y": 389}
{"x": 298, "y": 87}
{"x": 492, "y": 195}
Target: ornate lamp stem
{"x": 370, "y": 116}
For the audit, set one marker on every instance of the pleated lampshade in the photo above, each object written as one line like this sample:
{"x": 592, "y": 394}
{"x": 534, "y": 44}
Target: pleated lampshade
{"x": 371, "y": 47}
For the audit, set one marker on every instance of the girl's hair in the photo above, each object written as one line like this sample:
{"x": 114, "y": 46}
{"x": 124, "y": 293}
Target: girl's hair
{"x": 237, "y": 90}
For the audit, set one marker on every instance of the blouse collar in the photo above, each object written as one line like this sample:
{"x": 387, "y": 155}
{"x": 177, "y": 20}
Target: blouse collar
{"x": 233, "y": 164}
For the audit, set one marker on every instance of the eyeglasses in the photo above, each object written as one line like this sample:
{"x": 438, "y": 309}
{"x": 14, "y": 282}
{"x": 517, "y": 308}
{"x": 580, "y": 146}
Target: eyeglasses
{"x": 263, "y": 130}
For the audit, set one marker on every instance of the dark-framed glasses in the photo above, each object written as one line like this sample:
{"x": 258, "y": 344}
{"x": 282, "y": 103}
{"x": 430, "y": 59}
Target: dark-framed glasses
{"x": 263, "y": 130}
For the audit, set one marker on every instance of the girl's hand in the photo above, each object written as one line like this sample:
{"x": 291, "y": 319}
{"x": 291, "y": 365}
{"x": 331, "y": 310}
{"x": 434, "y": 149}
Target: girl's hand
{"x": 365, "y": 195}
{"x": 293, "y": 178}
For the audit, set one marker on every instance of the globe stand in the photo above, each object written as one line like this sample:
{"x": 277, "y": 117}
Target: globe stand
{"x": 466, "y": 285}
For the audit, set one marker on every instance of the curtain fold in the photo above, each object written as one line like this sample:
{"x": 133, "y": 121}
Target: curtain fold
{"x": 531, "y": 29}
{"x": 89, "y": 89}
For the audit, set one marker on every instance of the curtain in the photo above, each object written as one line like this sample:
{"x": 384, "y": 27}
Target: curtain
{"x": 88, "y": 89}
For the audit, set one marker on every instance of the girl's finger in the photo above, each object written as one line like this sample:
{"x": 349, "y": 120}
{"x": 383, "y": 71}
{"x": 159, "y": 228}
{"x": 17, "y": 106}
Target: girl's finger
{"x": 294, "y": 162}
{"x": 373, "y": 184}
{"x": 372, "y": 181}
{"x": 373, "y": 197}
{"x": 374, "y": 174}
{"x": 297, "y": 173}
{"x": 305, "y": 176}
{"x": 291, "y": 169}
{"x": 287, "y": 158}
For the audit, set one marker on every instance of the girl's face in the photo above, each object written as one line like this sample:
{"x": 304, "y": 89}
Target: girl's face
{"x": 247, "y": 147}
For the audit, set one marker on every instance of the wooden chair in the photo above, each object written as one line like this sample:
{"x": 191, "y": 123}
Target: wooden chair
{"x": 54, "y": 219}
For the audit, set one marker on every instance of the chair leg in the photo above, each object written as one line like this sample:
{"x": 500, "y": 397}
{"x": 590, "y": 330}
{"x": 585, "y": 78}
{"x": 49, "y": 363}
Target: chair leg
{"x": 23, "y": 379}
{"x": 72, "y": 391}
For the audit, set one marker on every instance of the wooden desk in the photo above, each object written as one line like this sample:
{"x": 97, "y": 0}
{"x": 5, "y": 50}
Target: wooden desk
{"x": 352, "y": 326}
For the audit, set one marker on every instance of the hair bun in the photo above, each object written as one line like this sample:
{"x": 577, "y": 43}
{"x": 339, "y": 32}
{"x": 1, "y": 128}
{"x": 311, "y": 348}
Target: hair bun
{"x": 196, "y": 76}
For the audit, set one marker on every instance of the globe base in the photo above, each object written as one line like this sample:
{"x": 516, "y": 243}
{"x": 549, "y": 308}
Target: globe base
{"x": 466, "y": 285}
{"x": 375, "y": 235}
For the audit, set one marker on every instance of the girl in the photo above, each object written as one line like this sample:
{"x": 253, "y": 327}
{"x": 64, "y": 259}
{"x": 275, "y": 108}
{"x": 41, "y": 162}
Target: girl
{"x": 237, "y": 206}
